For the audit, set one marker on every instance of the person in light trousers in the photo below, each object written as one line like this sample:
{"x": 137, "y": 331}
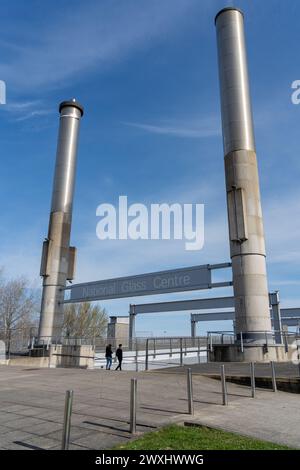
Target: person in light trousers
{"x": 108, "y": 356}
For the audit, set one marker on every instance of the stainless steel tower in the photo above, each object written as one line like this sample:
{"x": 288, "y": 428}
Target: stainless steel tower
{"x": 247, "y": 243}
{"x": 58, "y": 257}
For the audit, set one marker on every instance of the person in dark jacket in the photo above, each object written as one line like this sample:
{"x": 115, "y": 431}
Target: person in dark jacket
{"x": 119, "y": 355}
{"x": 108, "y": 356}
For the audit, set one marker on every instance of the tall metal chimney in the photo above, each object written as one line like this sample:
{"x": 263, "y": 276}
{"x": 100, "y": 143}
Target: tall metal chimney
{"x": 247, "y": 243}
{"x": 58, "y": 258}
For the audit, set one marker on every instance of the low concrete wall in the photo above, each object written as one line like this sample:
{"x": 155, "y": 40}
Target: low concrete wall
{"x": 285, "y": 384}
{"x": 28, "y": 361}
{"x": 72, "y": 356}
{"x": 58, "y": 356}
{"x": 233, "y": 353}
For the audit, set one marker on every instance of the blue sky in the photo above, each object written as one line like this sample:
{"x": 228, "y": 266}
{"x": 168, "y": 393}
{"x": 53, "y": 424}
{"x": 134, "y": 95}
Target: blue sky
{"x": 146, "y": 73}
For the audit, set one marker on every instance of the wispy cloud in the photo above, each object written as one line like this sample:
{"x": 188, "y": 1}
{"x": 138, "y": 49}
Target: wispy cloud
{"x": 190, "y": 128}
{"x": 18, "y": 106}
{"x": 25, "y": 110}
{"x": 34, "y": 113}
{"x": 95, "y": 34}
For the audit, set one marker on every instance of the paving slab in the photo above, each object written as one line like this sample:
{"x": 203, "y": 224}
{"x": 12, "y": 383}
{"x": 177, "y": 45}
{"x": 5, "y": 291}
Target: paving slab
{"x": 76, "y": 432}
{"x": 23, "y": 423}
{"x": 36, "y": 443}
{"x": 99, "y": 441}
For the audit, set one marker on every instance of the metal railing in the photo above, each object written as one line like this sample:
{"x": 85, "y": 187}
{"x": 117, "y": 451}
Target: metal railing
{"x": 161, "y": 352}
{"x": 178, "y": 347}
{"x": 267, "y": 338}
{"x": 17, "y": 340}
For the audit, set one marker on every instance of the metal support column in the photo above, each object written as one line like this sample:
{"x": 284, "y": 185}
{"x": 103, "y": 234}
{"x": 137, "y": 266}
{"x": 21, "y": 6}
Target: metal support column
{"x": 246, "y": 233}
{"x": 181, "y": 352}
{"x": 274, "y": 301}
{"x": 131, "y": 326}
{"x": 58, "y": 258}
{"x": 193, "y": 329}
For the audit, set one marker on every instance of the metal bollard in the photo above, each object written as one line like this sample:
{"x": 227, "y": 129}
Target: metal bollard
{"x": 224, "y": 387}
{"x": 67, "y": 420}
{"x": 252, "y": 378}
{"x": 133, "y": 393}
{"x": 190, "y": 391}
{"x": 273, "y": 376}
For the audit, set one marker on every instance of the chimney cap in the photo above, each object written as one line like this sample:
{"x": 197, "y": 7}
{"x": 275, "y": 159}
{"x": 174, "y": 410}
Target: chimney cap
{"x": 73, "y": 103}
{"x": 228, "y": 9}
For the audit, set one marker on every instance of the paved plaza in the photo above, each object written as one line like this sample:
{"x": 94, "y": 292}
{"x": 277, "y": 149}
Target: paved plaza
{"x": 32, "y": 407}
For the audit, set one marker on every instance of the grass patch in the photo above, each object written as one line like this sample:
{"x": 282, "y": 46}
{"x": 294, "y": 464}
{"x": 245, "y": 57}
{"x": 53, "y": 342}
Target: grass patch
{"x": 176, "y": 437}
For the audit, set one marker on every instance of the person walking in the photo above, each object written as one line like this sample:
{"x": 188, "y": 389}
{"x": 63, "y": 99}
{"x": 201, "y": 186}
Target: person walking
{"x": 119, "y": 355}
{"x": 108, "y": 357}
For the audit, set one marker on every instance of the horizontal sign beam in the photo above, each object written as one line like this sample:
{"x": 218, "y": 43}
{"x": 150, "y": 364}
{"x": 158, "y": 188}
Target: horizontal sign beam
{"x": 162, "y": 282}
{"x": 289, "y": 316}
{"x": 181, "y": 305}
{"x": 212, "y": 316}
{"x": 291, "y": 321}
{"x": 290, "y": 312}
{"x": 223, "y": 316}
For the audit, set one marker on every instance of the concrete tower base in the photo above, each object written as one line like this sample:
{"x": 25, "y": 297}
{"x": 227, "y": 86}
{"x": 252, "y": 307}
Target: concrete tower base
{"x": 257, "y": 353}
{"x": 59, "y": 355}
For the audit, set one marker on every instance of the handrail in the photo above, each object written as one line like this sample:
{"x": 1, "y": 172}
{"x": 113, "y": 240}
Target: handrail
{"x": 226, "y": 337}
